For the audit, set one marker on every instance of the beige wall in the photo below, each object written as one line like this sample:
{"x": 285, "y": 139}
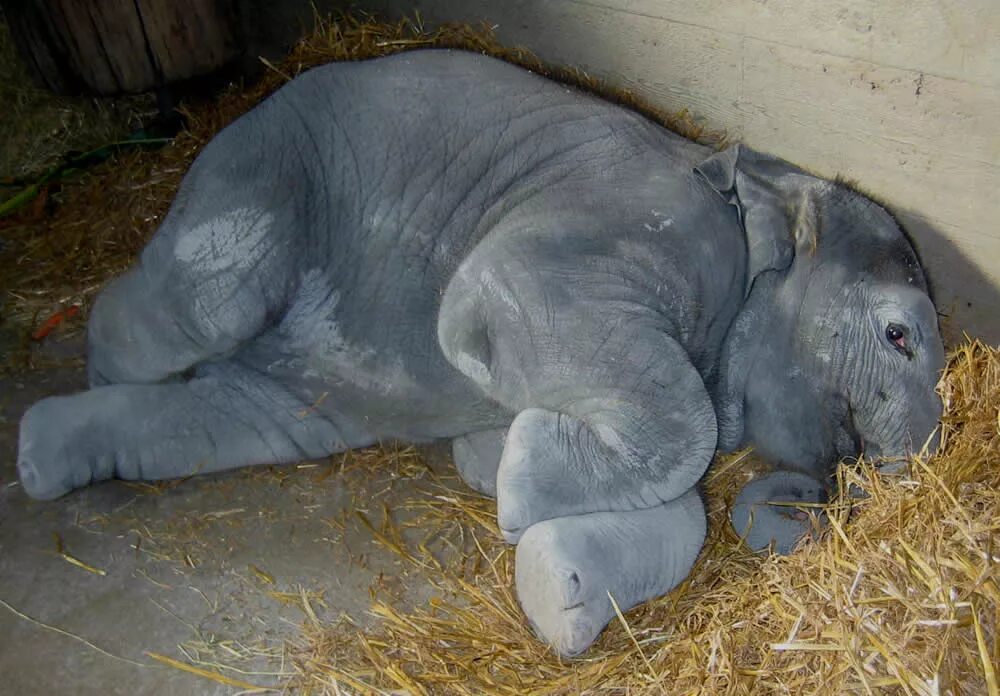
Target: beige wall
{"x": 901, "y": 95}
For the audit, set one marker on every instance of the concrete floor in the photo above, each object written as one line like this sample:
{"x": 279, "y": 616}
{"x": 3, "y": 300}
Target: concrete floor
{"x": 188, "y": 565}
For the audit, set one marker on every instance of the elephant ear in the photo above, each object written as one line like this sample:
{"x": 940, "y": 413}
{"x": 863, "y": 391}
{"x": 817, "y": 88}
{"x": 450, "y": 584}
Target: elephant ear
{"x": 775, "y": 204}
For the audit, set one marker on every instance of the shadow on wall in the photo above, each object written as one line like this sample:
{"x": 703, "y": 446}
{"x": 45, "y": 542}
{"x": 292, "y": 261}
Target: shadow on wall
{"x": 966, "y": 298}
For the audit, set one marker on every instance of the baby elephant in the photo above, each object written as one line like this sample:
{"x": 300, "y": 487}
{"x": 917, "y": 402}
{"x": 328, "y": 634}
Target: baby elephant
{"x": 442, "y": 245}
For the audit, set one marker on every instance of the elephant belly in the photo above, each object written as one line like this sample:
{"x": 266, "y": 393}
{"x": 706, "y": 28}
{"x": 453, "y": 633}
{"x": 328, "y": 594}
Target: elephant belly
{"x": 373, "y": 358}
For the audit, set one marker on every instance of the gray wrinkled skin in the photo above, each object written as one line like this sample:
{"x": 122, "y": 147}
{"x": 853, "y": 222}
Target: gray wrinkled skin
{"x": 440, "y": 245}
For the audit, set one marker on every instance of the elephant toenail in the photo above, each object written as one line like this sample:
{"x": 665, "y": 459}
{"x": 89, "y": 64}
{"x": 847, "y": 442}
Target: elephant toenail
{"x": 512, "y": 535}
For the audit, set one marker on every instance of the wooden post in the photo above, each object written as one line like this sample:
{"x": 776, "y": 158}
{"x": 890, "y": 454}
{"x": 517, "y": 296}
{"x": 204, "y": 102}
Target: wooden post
{"x": 119, "y": 46}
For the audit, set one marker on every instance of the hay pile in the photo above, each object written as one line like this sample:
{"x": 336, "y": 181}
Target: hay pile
{"x": 905, "y": 598}
{"x": 40, "y": 127}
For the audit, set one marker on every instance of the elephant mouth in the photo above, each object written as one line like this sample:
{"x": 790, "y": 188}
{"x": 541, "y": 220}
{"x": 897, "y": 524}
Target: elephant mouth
{"x": 894, "y": 459}
{"x": 872, "y": 450}
{"x": 851, "y": 443}
{"x": 917, "y": 433}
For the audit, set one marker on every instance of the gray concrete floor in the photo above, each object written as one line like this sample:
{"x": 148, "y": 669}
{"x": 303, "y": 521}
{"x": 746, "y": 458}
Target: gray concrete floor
{"x": 190, "y": 565}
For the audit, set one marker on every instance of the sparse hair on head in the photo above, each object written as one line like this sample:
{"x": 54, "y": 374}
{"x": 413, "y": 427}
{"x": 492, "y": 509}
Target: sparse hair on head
{"x": 846, "y": 183}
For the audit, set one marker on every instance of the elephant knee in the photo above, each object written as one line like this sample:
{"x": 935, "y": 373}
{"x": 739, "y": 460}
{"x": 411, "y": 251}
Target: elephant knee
{"x": 120, "y": 348}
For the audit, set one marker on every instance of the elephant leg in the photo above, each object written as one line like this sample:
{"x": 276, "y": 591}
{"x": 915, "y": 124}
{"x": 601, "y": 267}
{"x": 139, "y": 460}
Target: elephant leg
{"x": 566, "y": 566}
{"x": 221, "y": 267}
{"x": 167, "y": 315}
{"x": 226, "y": 417}
{"x": 477, "y": 457}
{"x": 136, "y": 335}
{"x": 612, "y": 414}
{"x": 761, "y": 523}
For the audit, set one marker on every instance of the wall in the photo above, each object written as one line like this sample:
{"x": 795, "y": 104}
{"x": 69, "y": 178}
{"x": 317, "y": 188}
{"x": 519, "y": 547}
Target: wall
{"x": 902, "y": 96}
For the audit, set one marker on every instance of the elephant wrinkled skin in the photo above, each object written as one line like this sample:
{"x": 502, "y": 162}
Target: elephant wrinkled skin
{"x": 442, "y": 245}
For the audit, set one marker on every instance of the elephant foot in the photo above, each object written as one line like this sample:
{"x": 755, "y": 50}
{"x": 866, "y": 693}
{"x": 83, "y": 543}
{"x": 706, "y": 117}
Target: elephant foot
{"x": 568, "y": 568}
{"x": 227, "y": 417}
{"x": 51, "y": 460}
{"x": 558, "y": 465}
{"x": 761, "y": 523}
{"x": 566, "y": 605}
{"x": 534, "y": 483}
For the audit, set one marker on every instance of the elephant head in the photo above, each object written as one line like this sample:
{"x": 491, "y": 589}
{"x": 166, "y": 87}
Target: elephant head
{"x": 836, "y": 349}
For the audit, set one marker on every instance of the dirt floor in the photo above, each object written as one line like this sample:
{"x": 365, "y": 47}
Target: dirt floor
{"x": 211, "y": 570}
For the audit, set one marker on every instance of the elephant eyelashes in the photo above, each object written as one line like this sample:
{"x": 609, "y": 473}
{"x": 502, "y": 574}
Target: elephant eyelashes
{"x": 896, "y": 335}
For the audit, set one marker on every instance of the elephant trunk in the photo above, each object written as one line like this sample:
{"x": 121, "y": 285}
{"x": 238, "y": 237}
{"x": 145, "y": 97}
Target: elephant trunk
{"x": 909, "y": 428}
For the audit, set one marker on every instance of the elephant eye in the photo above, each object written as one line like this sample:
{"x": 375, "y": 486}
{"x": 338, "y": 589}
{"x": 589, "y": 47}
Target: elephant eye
{"x": 896, "y": 335}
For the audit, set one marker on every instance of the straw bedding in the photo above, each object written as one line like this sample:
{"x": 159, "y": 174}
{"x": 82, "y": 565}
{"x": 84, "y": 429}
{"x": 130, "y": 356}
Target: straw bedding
{"x": 40, "y": 127}
{"x": 900, "y": 594}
